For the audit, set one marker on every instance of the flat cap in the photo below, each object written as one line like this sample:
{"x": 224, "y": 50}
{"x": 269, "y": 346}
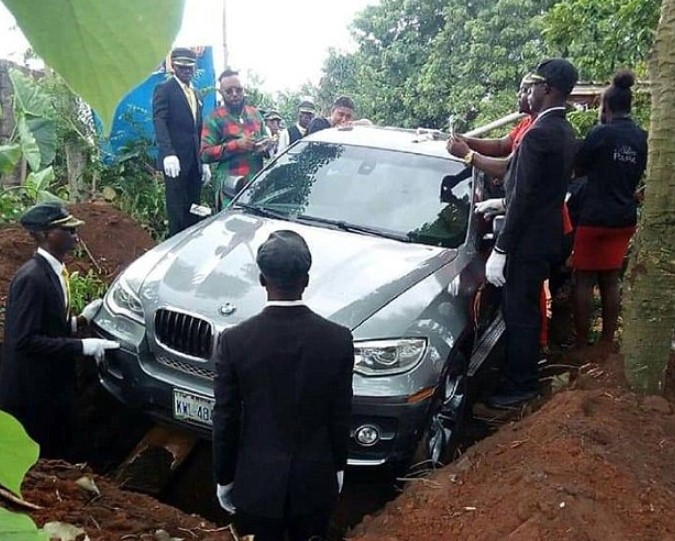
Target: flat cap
{"x": 306, "y": 106}
{"x": 558, "y": 73}
{"x": 182, "y": 56}
{"x": 272, "y": 115}
{"x": 284, "y": 257}
{"x": 46, "y": 216}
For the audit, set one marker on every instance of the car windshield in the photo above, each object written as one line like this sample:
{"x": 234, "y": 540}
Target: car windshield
{"x": 390, "y": 193}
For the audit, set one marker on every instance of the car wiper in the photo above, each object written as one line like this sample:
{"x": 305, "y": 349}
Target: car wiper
{"x": 355, "y": 228}
{"x": 262, "y": 211}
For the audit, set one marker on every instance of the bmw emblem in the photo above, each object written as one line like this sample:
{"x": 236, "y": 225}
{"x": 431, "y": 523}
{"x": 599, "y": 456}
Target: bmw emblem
{"x": 228, "y": 309}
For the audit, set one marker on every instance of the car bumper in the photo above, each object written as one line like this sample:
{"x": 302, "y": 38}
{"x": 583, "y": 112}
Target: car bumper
{"x": 398, "y": 421}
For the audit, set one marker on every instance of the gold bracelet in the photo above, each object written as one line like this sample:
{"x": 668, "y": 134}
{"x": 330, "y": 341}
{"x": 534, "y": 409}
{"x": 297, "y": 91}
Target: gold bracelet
{"x": 468, "y": 158}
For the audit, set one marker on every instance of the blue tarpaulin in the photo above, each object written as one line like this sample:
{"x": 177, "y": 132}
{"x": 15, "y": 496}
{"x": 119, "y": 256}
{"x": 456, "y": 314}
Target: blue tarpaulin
{"x": 133, "y": 117}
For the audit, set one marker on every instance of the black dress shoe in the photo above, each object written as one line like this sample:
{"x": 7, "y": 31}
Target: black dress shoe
{"x": 510, "y": 400}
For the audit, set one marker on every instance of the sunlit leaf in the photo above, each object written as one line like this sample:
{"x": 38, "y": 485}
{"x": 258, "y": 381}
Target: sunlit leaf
{"x": 101, "y": 49}
{"x": 40, "y": 180}
{"x": 9, "y": 157}
{"x": 18, "y": 451}
{"x": 19, "y": 527}
{"x": 29, "y": 98}
{"x": 29, "y": 146}
{"x": 44, "y": 131}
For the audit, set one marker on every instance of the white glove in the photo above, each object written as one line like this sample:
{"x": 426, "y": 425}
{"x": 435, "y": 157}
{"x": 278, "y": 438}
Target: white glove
{"x": 171, "y": 166}
{"x": 494, "y": 269}
{"x": 224, "y": 495}
{"x": 340, "y": 480}
{"x": 490, "y": 207}
{"x": 91, "y": 310}
{"x": 96, "y": 347}
{"x": 206, "y": 174}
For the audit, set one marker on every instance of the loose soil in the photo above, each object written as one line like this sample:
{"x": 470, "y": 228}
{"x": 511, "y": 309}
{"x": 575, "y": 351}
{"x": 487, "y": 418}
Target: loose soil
{"x": 594, "y": 462}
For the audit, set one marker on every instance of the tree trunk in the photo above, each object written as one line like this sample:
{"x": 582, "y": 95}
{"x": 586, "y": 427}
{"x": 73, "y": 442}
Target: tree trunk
{"x": 75, "y": 160}
{"x": 650, "y": 285}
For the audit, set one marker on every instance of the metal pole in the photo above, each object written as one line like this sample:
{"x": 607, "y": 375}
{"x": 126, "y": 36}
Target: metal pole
{"x": 225, "y": 54}
{"x": 482, "y": 130}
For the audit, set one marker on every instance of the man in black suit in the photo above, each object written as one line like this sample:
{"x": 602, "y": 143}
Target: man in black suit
{"x": 531, "y": 239}
{"x": 37, "y": 376}
{"x": 176, "y": 113}
{"x": 283, "y": 391}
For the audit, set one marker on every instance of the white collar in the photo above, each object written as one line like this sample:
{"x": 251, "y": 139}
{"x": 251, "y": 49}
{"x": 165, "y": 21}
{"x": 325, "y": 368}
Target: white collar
{"x": 54, "y": 263}
{"x": 561, "y": 108}
{"x": 299, "y": 302}
{"x": 301, "y": 129}
{"x": 181, "y": 83}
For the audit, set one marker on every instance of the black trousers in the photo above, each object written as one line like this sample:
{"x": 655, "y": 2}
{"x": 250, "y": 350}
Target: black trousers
{"x": 522, "y": 313}
{"x": 50, "y": 425}
{"x": 181, "y": 193}
{"x": 300, "y": 528}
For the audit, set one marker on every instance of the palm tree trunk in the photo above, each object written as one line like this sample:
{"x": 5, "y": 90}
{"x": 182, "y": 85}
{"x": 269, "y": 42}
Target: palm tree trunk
{"x": 649, "y": 319}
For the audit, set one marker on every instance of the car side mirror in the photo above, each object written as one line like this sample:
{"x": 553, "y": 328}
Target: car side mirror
{"x": 233, "y": 184}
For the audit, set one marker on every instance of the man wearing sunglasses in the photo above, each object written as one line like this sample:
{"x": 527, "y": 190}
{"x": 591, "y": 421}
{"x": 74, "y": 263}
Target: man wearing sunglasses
{"x": 234, "y": 139}
{"x": 37, "y": 380}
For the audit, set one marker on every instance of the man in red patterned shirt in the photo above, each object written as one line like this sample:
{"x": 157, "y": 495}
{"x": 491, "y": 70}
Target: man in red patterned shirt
{"x": 234, "y": 138}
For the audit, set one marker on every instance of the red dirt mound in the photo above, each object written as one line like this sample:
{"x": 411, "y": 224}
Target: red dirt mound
{"x": 114, "y": 514}
{"x": 595, "y": 463}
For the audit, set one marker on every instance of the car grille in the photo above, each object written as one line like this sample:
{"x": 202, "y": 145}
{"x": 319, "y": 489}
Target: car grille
{"x": 184, "y": 333}
{"x": 187, "y": 368}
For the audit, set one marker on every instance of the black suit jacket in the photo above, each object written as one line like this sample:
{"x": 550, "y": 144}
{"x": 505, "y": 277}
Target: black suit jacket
{"x": 176, "y": 130}
{"x": 536, "y": 183}
{"x": 38, "y": 368}
{"x": 283, "y": 390}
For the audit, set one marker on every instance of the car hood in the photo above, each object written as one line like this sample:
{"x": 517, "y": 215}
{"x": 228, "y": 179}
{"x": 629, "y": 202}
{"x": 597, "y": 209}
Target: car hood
{"x": 352, "y": 275}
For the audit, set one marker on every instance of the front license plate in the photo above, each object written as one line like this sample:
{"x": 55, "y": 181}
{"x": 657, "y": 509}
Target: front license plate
{"x": 192, "y": 407}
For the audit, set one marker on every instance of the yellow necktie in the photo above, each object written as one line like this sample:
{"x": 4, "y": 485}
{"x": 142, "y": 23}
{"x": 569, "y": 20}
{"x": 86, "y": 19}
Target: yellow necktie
{"x": 66, "y": 279}
{"x": 192, "y": 100}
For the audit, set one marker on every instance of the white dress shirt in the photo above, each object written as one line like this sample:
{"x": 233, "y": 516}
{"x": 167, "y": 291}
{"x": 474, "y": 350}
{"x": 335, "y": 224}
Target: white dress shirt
{"x": 299, "y": 302}
{"x": 58, "y": 267}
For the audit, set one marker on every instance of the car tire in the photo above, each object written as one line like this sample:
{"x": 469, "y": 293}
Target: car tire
{"x": 442, "y": 433}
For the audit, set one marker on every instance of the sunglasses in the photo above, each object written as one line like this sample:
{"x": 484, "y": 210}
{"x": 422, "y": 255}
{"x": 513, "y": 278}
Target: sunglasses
{"x": 233, "y": 90}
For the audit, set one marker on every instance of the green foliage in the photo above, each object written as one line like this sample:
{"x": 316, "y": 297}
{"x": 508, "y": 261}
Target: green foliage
{"x": 84, "y": 288}
{"x": 420, "y": 61}
{"x": 603, "y": 36}
{"x": 133, "y": 185}
{"x": 9, "y": 157}
{"x": 583, "y": 121}
{"x": 19, "y": 527}
{"x": 18, "y": 453}
{"x": 101, "y": 49}
{"x": 37, "y": 188}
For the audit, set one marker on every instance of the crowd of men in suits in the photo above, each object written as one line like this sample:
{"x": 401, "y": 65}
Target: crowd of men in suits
{"x": 281, "y": 418}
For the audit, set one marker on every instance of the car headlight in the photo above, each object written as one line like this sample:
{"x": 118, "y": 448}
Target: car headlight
{"x": 387, "y": 357}
{"x": 121, "y": 300}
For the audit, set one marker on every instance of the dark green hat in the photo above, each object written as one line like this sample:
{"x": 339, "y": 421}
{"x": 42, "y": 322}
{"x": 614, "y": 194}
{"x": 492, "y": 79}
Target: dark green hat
{"x": 46, "y": 216}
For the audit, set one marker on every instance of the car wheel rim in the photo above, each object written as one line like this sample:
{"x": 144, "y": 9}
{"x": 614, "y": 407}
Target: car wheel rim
{"x": 444, "y": 422}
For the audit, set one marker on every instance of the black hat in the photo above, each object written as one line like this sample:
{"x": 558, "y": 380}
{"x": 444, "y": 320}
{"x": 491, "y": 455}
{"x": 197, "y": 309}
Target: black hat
{"x": 48, "y": 216}
{"x": 284, "y": 257}
{"x": 272, "y": 115}
{"x": 558, "y": 73}
{"x": 182, "y": 56}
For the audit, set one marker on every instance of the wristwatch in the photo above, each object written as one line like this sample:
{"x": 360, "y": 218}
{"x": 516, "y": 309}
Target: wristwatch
{"x": 468, "y": 157}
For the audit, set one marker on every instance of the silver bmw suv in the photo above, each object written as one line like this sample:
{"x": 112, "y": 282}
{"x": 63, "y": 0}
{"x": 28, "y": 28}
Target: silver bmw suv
{"x": 398, "y": 258}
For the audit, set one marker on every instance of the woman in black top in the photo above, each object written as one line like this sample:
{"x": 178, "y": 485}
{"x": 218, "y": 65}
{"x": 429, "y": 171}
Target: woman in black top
{"x": 614, "y": 157}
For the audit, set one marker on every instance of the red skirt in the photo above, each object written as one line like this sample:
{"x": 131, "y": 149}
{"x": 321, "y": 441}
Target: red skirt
{"x": 600, "y": 248}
